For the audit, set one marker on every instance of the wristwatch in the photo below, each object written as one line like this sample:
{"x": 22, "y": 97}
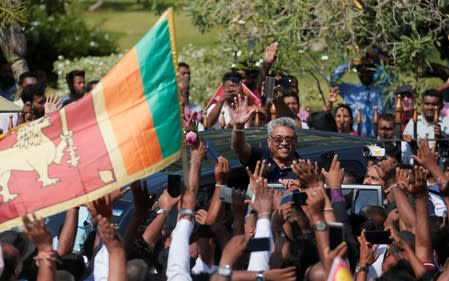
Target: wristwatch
{"x": 319, "y": 226}
{"x": 225, "y": 270}
{"x": 161, "y": 211}
{"x": 359, "y": 268}
{"x": 187, "y": 212}
{"x": 259, "y": 276}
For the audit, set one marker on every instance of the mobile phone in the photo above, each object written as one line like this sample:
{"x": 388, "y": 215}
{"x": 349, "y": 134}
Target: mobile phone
{"x": 226, "y": 194}
{"x": 174, "y": 185}
{"x": 212, "y": 151}
{"x": 286, "y": 198}
{"x": 299, "y": 198}
{"x": 258, "y": 244}
{"x": 336, "y": 234}
{"x": 205, "y": 231}
{"x": 268, "y": 89}
{"x": 326, "y": 160}
{"x": 377, "y": 236}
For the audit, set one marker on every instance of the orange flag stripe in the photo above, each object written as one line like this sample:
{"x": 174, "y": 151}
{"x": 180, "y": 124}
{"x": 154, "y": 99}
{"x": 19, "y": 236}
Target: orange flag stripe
{"x": 120, "y": 97}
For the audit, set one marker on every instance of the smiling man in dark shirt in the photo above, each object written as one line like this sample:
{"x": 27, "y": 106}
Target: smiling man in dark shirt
{"x": 281, "y": 150}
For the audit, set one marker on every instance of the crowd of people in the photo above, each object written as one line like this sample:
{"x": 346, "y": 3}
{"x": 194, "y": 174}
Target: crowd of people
{"x": 259, "y": 234}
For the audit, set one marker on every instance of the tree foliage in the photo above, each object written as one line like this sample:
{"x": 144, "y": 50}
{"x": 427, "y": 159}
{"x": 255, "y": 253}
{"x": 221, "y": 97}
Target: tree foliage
{"x": 11, "y": 11}
{"x": 55, "y": 29}
{"x": 52, "y": 28}
{"x": 408, "y": 31}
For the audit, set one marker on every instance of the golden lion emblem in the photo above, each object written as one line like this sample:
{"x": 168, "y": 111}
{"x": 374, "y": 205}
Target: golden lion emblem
{"x": 34, "y": 151}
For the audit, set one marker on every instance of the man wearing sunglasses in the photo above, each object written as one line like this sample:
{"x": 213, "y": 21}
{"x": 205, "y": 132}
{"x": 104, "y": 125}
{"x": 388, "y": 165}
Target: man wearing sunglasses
{"x": 281, "y": 140}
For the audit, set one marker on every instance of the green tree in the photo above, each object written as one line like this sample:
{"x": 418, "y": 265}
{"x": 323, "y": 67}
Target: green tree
{"x": 41, "y": 30}
{"x": 408, "y": 31}
{"x": 12, "y": 38}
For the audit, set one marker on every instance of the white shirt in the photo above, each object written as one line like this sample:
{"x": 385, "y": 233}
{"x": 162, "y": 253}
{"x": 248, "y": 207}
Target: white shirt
{"x": 101, "y": 264}
{"x": 227, "y": 114}
{"x": 375, "y": 269}
{"x": 202, "y": 267}
{"x": 437, "y": 203}
{"x": 259, "y": 261}
{"x": 425, "y": 130}
{"x": 178, "y": 263}
{"x": 4, "y": 117}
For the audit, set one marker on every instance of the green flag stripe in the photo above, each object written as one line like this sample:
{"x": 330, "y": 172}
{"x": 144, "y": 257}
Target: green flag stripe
{"x": 159, "y": 83}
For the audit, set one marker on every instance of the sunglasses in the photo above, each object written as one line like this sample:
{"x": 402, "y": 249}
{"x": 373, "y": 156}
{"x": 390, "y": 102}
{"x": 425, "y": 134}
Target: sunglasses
{"x": 280, "y": 139}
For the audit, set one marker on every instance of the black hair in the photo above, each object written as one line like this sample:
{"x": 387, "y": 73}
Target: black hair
{"x": 347, "y": 107}
{"x": 387, "y": 117}
{"x": 11, "y": 262}
{"x": 323, "y": 121}
{"x": 433, "y": 93}
{"x": 71, "y": 76}
{"x": 31, "y": 91}
{"x": 393, "y": 151}
{"x": 183, "y": 64}
{"x": 291, "y": 94}
{"x": 233, "y": 76}
{"x": 27, "y": 74}
{"x": 402, "y": 271}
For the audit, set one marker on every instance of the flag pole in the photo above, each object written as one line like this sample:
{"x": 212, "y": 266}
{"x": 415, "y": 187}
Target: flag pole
{"x": 171, "y": 27}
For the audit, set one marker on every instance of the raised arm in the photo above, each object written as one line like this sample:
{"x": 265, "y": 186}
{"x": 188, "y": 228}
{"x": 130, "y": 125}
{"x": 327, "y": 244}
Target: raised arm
{"x": 178, "y": 263}
{"x": 268, "y": 58}
{"x": 38, "y": 233}
{"x": 423, "y": 243}
{"x": 231, "y": 253}
{"x": 221, "y": 173}
{"x": 427, "y": 159}
{"x": 153, "y": 231}
{"x": 338, "y": 74}
{"x": 240, "y": 114}
{"x": 406, "y": 210}
{"x": 214, "y": 113}
{"x": 142, "y": 201}
{"x": 116, "y": 252}
{"x": 197, "y": 155}
{"x": 68, "y": 231}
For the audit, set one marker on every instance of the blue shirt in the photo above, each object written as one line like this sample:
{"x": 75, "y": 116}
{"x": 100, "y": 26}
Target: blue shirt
{"x": 362, "y": 96}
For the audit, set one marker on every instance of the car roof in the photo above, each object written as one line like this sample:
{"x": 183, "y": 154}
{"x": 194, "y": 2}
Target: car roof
{"x": 311, "y": 144}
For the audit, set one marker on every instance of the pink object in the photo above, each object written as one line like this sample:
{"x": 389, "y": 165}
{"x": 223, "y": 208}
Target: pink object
{"x": 445, "y": 111}
{"x": 191, "y": 138}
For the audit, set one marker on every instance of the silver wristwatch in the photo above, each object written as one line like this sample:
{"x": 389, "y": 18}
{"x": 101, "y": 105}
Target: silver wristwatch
{"x": 187, "y": 212}
{"x": 162, "y": 211}
{"x": 259, "y": 276}
{"x": 225, "y": 270}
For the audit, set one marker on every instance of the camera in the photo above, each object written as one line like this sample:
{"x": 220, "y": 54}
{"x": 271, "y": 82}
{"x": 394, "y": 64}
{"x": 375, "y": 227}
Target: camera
{"x": 373, "y": 151}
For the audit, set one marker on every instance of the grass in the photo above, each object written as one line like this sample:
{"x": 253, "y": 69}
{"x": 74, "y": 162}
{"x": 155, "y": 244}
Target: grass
{"x": 127, "y": 21}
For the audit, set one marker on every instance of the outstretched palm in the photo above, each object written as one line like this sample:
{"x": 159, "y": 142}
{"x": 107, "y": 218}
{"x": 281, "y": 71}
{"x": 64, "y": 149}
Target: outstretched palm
{"x": 241, "y": 112}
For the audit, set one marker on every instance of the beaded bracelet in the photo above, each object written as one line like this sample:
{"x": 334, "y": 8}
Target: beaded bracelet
{"x": 196, "y": 161}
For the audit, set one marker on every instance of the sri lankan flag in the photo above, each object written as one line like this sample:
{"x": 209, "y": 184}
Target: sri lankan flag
{"x": 128, "y": 128}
